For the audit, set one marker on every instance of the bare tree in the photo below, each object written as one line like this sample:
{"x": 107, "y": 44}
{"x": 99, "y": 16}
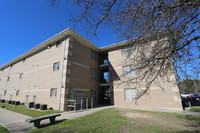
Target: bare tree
{"x": 148, "y": 20}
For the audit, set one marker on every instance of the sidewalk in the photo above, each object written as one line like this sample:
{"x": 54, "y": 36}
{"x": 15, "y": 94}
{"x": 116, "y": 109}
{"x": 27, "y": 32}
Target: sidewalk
{"x": 15, "y": 122}
{"x": 186, "y": 112}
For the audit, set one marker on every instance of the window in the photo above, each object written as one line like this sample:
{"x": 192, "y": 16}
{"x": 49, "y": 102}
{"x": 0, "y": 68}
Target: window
{"x": 26, "y": 99}
{"x": 17, "y": 92}
{"x": 10, "y": 97}
{"x": 78, "y": 95}
{"x": 56, "y": 66}
{"x": 20, "y": 75}
{"x": 49, "y": 47}
{"x": 59, "y": 43}
{"x": 126, "y": 51}
{"x": 106, "y": 76}
{"x": 34, "y": 98}
{"x": 24, "y": 60}
{"x": 53, "y": 92}
{"x": 94, "y": 54}
{"x": 8, "y": 78}
{"x": 130, "y": 94}
{"x": 94, "y": 94}
{"x": 4, "y": 93}
{"x": 94, "y": 73}
{"x": 127, "y": 71}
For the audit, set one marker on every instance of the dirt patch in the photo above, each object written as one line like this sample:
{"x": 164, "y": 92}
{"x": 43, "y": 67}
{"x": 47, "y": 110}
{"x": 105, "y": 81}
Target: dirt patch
{"x": 154, "y": 122}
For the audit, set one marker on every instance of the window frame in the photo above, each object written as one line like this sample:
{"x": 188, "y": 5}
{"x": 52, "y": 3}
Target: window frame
{"x": 17, "y": 92}
{"x": 20, "y": 75}
{"x": 94, "y": 73}
{"x": 53, "y": 94}
{"x": 132, "y": 94}
{"x": 4, "y": 93}
{"x": 8, "y": 78}
{"x": 58, "y": 44}
{"x": 94, "y": 54}
{"x": 78, "y": 95}
{"x": 125, "y": 51}
{"x": 56, "y": 68}
{"x": 128, "y": 73}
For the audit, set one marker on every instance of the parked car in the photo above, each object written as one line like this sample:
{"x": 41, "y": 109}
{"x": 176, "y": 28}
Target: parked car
{"x": 193, "y": 101}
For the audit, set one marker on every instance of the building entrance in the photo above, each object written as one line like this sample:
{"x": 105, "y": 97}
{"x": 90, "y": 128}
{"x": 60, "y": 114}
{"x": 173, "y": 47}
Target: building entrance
{"x": 104, "y": 95}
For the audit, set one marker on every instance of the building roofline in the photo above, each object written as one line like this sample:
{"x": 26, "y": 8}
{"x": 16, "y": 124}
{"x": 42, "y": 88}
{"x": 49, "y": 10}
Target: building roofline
{"x": 55, "y": 38}
{"x": 115, "y": 45}
{"x": 143, "y": 39}
{"x": 82, "y": 40}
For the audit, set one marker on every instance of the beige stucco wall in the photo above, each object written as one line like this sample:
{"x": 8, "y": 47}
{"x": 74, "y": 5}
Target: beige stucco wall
{"x": 164, "y": 92}
{"x": 38, "y": 78}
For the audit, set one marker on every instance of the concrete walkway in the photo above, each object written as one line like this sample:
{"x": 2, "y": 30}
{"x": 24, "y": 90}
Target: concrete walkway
{"x": 186, "y": 112}
{"x": 15, "y": 122}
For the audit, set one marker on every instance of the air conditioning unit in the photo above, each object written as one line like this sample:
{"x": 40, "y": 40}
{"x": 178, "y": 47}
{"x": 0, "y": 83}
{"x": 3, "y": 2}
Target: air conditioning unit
{"x": 30, "y": 105}
{"x": 37, "y": 106}
{"x": 43, "y": 107}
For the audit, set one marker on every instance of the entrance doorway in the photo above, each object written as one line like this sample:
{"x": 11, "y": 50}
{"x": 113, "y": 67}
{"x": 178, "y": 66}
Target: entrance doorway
{"x": 104, "y": 95}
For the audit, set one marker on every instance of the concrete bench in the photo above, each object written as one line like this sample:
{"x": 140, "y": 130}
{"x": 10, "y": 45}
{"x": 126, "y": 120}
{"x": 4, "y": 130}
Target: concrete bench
{"x": 36, "y": 120}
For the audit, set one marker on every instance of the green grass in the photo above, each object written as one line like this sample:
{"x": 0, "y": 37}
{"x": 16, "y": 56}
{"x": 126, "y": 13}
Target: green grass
{"x": 3, "y": 130}
{"x": 105, "y": 121}
{"x": 195, "y": 109}
{"x": 23, "y": 110}
{"x": 111, "y": 121}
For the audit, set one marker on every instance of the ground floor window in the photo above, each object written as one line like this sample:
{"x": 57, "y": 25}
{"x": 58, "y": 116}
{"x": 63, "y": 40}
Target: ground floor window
{"x": 94, "y": 94}
{"x": 4, "y": 93}
{"x": 26, "y": 99}
{"x": 17, "y": 92}
{"x": 78, "y": 95}
{"x": 34, "y": 98}
{"x": 53, "y": 92}
{"x": 130, "y": 94}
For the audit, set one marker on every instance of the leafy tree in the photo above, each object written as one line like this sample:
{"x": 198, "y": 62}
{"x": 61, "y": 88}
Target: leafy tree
{"x": 189, "y": 86}
{"x": 173, "y": 23}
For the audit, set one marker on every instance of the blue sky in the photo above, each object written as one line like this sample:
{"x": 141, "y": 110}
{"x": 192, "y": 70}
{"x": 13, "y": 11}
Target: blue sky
{"x": 26, "y": 23}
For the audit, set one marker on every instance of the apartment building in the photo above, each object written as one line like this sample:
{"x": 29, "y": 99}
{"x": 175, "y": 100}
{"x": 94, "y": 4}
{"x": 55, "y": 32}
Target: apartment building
{"x": 67, "y": 66}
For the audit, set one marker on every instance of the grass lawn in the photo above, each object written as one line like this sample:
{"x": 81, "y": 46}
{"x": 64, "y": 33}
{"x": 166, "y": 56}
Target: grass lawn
{"x": 23, "y": 110}
{"x": 117, "y": 121}
{"x": 127, "y": 121}
{"x": 195, "y": 109}
{"x": 3, "y": 130}
{"x": 105, "y": 121}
